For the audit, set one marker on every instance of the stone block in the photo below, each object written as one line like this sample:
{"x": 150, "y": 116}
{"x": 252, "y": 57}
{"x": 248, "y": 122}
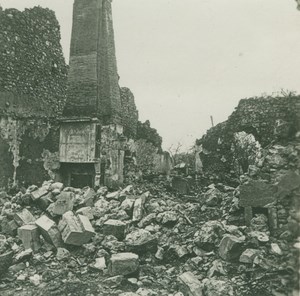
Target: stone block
{"x": 189, "y": 284}
{"x": 86, "y": 211}
{"x": 141, "y": 241}
{"x": 57, "y": 186}
{"x": 123, "y": 263}
{"x": 249, "y": 255}
{"x": 231, "y": 247}
{"x": 138, "y": 208}
{"x": 37, "y": 194}
{"x": 115, "y": 228}
{"x": 99, "y": 264}
{"x": 88, "y": 197}
{"x": 24, "y": 217}
{"x": 49, "y": 230}
{"x": 63, "y": 204}
{"x": 30, "y": 236}
{"x": 75, "y": 230}
{"x": 45, "y": 201}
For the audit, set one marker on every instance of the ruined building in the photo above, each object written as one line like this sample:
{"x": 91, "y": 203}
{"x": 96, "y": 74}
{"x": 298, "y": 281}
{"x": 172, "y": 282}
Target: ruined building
{"x": 74, "y": 124}
{"x": 91, "y": 133}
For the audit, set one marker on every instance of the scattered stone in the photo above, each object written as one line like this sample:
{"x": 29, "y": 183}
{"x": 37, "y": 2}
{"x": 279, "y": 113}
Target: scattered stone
{"x": 275, "y": 249}
{"x": 24, "y": 217}
{"x": 16, "y": 267}
{"x": 212, "y": 197}
{"x": 89, "y": 197}
{"x": 113, "y": 282}
{"x": 62, "y": 254}
{"x": 123, "y": 264}
{"x": 231, "y": 247}
{"x": 189, "y": 284}
{"x": 209, "y": 235}
{"x": 113, "y": 195}
{"x": 75, "y": 230}
{"x": 37, "y": 194}
{"x": 49, "y": 230}
{"x": 35, "y": 280}
{"x": 115, "y": 228}
{"x": 86, "y": 211}
{"x": 23, "y": 255}
{"x": 260, "y": 236}
{"x": 45, "y": 201}
{"x": 63, "y": 204}
{"x": 138, "y": 208}
{"x": 99, "y": 264}
{"x": 57, "y": 186}
{"x": 9, "y": 226}
{"x": 141, "y": 240}
{"x": 30, "y": 236}
{"x": 215, "y": 287}
{"x": 249, "y": 255}
{"x": 168, "y": 218}
{"x": 216, "y": 269}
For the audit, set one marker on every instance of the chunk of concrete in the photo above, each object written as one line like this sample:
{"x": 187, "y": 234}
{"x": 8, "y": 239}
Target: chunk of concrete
{"x": 123, "y": 263}
{"x": 24, "y": 217}
{"x": 57, "y": 186}
{"x": 99, "y": 264}
{"x": 88, "y": 197}
{"x": 75, "y": 230}
{"x": 49, "y": 230}
{"x": 9, "y": 226}
{"x": 63, "y": 204}
{"x": 30, "y": 236}
{"x": 231, "y": 247}
{"x": 189, "y": 284}
{"x": 115, "y": 228}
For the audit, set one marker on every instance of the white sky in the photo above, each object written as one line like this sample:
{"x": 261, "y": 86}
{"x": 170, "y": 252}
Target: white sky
{"x": 187, "y": 60}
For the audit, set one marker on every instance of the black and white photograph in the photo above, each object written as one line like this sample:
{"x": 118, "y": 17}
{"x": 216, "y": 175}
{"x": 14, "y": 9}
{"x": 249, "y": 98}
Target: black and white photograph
{"x": 149, "y": 147}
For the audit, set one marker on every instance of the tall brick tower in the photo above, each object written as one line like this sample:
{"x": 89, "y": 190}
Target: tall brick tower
{"x": 91, "y": 140}
{"x": 93, "y": 88}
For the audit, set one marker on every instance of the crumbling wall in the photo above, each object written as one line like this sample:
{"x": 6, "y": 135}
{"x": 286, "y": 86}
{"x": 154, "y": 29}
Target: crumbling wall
{"x": 33, "y": 72}
{"x": 269, "y": 120}
{"x": 33, "y": 77}
{"x": 129, "y": 113}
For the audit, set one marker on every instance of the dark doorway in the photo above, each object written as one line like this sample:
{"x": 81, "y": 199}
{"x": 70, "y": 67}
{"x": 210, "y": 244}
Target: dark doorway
{"x": 81, "y": 180}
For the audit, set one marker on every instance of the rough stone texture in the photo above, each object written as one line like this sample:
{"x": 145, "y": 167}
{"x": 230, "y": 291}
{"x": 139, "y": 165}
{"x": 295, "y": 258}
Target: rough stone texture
{"x": 267, "y": 119}
{"x": 115, "y": 228}
{"x": 33, "y": 72}
{"x": 75, "y": 230}
{"x": 93, "y": 88}
{"x": 49, "y": 230}
{"x": 256, "y": 194}
{"x": 249, "y": 255}
{"x": 123, "y": 263}
{"x": 24, "y": 217}
{"x": 189, "y": 284}
{"x": 129, "y": 113}
{"x": 141, "y": 240}
{"x": 231, "y": 247}
{"x": 63, "y": 204}
{"x": 37, "y": 194}
{"x": 30, "y": 236}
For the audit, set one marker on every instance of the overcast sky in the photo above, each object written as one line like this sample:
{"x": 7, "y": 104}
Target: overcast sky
{"x": 187, "y": 60}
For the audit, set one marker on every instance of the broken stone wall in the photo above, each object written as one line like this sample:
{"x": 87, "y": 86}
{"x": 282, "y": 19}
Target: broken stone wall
{"x": 267, "y": 119}
{"x": 129, "y": 113}
{"x": 33, "y": 78}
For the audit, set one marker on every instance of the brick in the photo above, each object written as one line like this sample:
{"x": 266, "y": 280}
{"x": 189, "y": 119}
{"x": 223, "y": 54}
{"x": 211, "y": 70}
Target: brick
{"x": 37, "y": 194}
{"x": 189, "y": 284}
{"x": 30, "y": 236}
{"x": 24, "y": 217}
{"x": 49, "y": 230}
{"x": 115, "y": 228}
{"x": 123, "y": 263}
{"x": 63, "y": 204}
{"x": 75, "y": 230}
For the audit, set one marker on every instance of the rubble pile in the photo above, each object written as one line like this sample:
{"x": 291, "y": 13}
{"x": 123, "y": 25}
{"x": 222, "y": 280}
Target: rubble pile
{"x": 139, "y": 240}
